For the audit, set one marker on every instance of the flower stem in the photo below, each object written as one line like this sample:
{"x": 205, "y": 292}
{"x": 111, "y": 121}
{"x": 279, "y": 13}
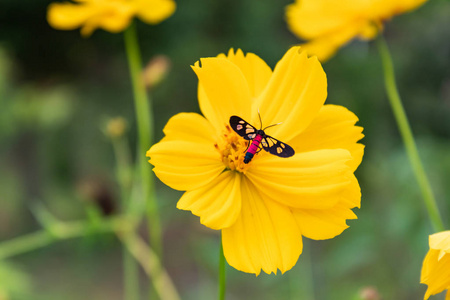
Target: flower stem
{"x": 59, "y": 231}
{"x": 407, "y": 136}
{"x": 123, "y": 170}
{"x": 123, "y": 228}
{"x": 150, "y": 262}
{"x": 131, "y": 276}
{"x": 144, "y": 117}
{"x": 222, "y": 274}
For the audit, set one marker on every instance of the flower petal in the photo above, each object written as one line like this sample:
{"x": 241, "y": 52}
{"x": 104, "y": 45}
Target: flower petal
{"x": 114, "y": 20}
{"x": 330, "y": 24}
{"x": 223, "y": 91}
{"x": 265, "y": 235}
{"x": 334, "y": 128}
{"x": 321, "y": 224}
{"x": 435, "y": 273}
{"x": 309, "y": 180}
{"x": 155, "y": 11}
{"x": 440, "y": 241}
{"x": 218, "y": 203}
{"x": 311, "y": 19}
{"x": 185, "y": 165}
{"x": 294, "y": 95}
{"x": 68, "y": 16}
{"x": 326, "y": 46}
{"x": 255, "y": 70}
{"x": 189, "y": 127}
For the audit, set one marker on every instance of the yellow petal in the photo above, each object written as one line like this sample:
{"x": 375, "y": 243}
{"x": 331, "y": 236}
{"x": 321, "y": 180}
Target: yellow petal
{"x": 255, "y": 70}
{"x": 294, "y": 95}
{"x": 115, "y": 23}
{"x": 330, "y": 24}
{"x": 321, "y": 224}
{"x": 428, "y": 265}
{"x": 189, "y": 127}
{"x": 386, "y": 9}
{"x": 223, "y": 91}
{"x": 326, "y": 46}
{"x": 185, "y": 165}
{"x": 312, "y": 180}
{"x": 435, "y": 273}
{"x": 155, "y": 11}
{"x": 311, "y": 19}
{"x": 218, "y": 203}
{"x": 440, "y": 241}
{"x": 447, "y": 296}
{"x": 68, "y": 16}
{"x": 265, "y": 235}
{"x": 333, "y": 128}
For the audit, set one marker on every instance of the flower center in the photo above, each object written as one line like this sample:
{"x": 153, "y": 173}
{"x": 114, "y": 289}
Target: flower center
{"x": 232, "y": 147}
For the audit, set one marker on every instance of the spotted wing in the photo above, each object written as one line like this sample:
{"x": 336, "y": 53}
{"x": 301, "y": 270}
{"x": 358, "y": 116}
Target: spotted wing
{"x": 242, "y": 128}
{"x": 276, "y": 147}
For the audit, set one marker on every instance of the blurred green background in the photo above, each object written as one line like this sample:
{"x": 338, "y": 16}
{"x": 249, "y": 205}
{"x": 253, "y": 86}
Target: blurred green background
{"x": 57, "y": 89}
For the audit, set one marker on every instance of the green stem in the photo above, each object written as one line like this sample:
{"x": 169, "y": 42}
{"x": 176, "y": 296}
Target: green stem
{"x": 151, "y": 264}
{"x": 59, "y": 231}
{"x": 123, "y": 171}
{"x": 131, "y": 276}
{"x": 407, "y": 136}
{"x": 222, "y": 274}
{"x": 123, "y": 229}
{"x": 144, "y": 117}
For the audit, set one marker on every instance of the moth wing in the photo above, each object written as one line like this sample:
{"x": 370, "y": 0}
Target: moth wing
{"x": 276, "y": 147}
{"x": 243, "y": 128}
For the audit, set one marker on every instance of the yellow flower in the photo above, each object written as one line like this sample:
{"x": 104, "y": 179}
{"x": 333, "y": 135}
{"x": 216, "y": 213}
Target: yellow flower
{"x": 436, "y": 265}
{"x": 329, "y": 24}
{"x": 111, "y": 15}
{"x": 263, "y": 208}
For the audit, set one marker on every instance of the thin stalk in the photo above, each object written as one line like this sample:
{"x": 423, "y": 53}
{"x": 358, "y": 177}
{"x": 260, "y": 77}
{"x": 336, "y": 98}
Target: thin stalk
{"x": 144, "y": 117}
{"x": 123, "y": 172}
{"x": 59, "y": 231}
{"x": 407, "y": 136}
{"x": 131, "y": 276}
{"x": 150, "y": 262}
{"x": 222, "y": 274}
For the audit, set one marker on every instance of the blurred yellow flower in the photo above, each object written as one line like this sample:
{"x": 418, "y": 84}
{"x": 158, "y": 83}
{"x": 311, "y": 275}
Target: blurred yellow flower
{"x": 263, "y": 208}
{"x": 329, "y": 24}
{"x": 116, "y": 127}
{"x": 436, "y": 265}
{"x": 110, "y": 15}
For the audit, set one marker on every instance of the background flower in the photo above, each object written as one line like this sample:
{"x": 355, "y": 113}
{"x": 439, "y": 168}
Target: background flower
{"x": 327, "y": 25}
{"x": 265, "y": 207}
{"x": 110, "y": 15}
{"x": 436, "y": 265}
{"x": 43, "y": 159}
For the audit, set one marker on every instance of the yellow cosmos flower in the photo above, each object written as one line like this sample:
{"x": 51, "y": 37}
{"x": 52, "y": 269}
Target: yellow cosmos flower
{"x": 263, "y": 208}
{"x": 436, "y": 265}
{"x": 111, "y": 15}
{"x": 330, "y": 24}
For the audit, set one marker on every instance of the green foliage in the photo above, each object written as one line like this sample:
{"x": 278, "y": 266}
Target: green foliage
{"x": 56, "y": 88}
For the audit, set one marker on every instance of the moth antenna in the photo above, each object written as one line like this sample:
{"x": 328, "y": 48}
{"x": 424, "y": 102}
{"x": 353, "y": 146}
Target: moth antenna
{"x": 272, "y": 125}
{"x": 260, "y": 121}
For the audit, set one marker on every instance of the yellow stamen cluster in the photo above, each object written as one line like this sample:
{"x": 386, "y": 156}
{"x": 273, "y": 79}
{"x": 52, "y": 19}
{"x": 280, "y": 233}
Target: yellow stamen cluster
{"x": 232, "y": 147}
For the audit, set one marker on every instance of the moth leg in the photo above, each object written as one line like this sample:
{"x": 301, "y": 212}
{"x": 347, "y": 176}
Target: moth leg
{"x": 248, "y": 145}
{"x": 259, "y": 148}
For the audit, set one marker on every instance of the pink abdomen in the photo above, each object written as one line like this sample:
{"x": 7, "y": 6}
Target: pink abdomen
{"x": 254, "y": 146}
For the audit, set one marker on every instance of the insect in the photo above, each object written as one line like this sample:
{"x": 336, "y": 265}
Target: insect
{"x": 259, "y": 139}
